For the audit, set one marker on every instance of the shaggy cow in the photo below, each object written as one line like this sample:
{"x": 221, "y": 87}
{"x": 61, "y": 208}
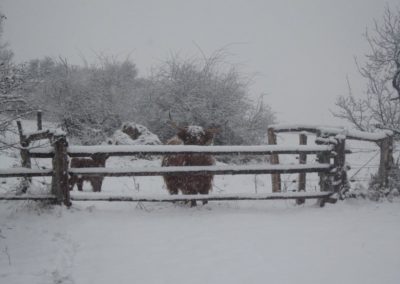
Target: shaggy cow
{"x": 95, "y": 161}
{"x": 190, "y": 184}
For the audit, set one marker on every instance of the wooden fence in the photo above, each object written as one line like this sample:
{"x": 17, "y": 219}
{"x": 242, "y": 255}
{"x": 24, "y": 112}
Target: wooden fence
{"x": 60, "y": 173}
{"x": 383, "y": 139}
{"x": 330, "y": 167}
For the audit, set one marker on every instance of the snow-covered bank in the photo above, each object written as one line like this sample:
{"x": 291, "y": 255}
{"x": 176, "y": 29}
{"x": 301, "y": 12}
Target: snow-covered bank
{"x": 223, "y": 242}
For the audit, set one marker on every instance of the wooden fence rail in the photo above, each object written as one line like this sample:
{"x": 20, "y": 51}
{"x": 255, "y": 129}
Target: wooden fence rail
{"x": 338, "y": 136}
{"x": 197, "y": 170}
{"x": 219, "y": 197}
{"x": 134, "y": 150}
{"x": 60, "y": 173}
{"x": 332, "y": 174}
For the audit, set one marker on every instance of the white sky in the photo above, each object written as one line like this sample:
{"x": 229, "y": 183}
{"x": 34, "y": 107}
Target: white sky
{"x": 299, "y": 51}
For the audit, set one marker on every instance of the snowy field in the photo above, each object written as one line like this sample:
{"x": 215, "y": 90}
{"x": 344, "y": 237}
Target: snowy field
{"x": 354, "y": 241}
{"x": 351, "y": 242}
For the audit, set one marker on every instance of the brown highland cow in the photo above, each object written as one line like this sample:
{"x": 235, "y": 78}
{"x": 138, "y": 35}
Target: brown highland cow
{"x": 95, "y": 161}
{"x": 190, "y": 184}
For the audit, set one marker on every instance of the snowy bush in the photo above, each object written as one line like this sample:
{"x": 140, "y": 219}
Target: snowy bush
{"x": 205, "y": 92}
{"x": 91, "y": 101}
{"x": 376, "y": 191}
{"x": 133, "y": 134}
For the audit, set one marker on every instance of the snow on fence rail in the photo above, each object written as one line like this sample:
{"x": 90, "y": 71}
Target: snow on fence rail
{"x": 202, "y": 170}
{"x": 174, "y": 198}
{"x": 33, "y": 197}
{"x": 332, "y": 175}
{"x": 25, "y": 172}
{"x": 331, "y": 131}
{"x": 133, "y": 150}
{"x": 78, "y": 196}
{"x": 61, "y": 172}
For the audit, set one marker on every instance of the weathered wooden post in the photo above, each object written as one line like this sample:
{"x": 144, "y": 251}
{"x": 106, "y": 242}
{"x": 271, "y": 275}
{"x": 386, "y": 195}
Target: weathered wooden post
{"x": 276, "y": 178}
{"x": 323, "y": 158}
{"x": 25, "y": 159}
{"x": 386, "y": 160}
{"x": 302, "y": 160}
{"x": 59, "y": 182}
{"x": 39, "y": 120}
{"x": 325, "y": 179}
{"x": 340, "y": 182}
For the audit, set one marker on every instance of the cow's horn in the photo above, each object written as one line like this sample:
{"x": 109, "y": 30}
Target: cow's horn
{"x": 173, "y": 123}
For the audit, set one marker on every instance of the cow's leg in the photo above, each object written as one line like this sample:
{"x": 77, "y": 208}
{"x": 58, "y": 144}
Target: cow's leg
{"x": 93, "y": 183}
{"x": 172, "y": 183}
{"x": 72, "y": 182}
{"x": 100, "y": 183}
{"x": 205, "y": 186}
{"x": 190, "y": 186}
{"x": 96, "y": 183}
{"x": 79, "y": 183}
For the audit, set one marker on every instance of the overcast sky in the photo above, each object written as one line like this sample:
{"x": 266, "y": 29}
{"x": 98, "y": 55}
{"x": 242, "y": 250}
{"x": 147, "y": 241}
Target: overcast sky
{"x": 299, "y": 52}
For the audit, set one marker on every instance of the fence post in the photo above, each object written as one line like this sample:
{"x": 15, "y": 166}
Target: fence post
{"x": 325, "y": 179}
{"x": 59, "y": 181}
{"x": 340, "y": 182}
{"x": 302, "y": 176}
{"x": 25, "y": 159}
{"x": 275, "y": 178}
{"x": 386, "y": 160}
{"x": 323, "y": 158}
{"x": 39, "y": 120}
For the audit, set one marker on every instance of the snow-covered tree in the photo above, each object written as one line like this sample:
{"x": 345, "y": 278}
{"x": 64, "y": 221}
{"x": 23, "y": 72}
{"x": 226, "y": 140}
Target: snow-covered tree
{"x": 12, "y": 77}
{"x": 90, "y": 102}
{"x": 203, "y": 92}
{"x": 381, "y": 71}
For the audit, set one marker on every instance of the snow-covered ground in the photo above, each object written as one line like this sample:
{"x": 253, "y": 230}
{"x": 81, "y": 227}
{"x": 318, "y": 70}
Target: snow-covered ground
{"x": 235, "y": 242}
{"x": 354, "y": 241}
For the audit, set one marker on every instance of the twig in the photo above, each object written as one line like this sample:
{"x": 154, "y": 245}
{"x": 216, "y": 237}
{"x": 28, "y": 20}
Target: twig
{"x": 141, "y": 206}
{"x": 219, "y": 188}
{"x": 8, "y": 255}
{"x": 364, "y": 165}
{"x": 136, "y": 185}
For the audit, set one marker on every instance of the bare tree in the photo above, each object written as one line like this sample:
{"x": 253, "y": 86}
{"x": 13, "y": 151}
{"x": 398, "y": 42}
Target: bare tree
{"x": 381, "y": 71}
{"x": 12, "y": 77}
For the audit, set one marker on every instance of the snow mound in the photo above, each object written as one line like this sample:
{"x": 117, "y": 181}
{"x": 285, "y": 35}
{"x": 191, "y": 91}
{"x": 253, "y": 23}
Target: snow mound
{"x": 133, "y": 134}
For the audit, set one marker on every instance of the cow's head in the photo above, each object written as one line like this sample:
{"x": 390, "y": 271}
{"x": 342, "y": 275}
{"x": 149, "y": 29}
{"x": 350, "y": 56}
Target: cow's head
{"x": 195, "y": 135}
{"x": 99, "y": 159}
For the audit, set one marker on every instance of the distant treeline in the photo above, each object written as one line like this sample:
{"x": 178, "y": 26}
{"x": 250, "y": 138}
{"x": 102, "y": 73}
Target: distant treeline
{"x": 92, "y": 101}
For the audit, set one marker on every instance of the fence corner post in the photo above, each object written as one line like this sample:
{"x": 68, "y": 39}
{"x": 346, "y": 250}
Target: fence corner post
{"x": 323, "y": 158}
{"x": 340, "y": 183}
{"x": 59, "y": 184}
{"x": 386, "y": 160}
{"x": 275, "y": 178}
